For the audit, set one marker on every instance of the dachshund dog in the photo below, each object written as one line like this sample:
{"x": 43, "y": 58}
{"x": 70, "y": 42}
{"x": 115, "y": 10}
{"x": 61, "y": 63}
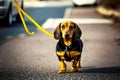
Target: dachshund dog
{"x": 69, "y": 46}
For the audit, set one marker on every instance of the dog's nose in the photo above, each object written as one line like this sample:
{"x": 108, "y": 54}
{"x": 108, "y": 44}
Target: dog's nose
{"x": 67, "y": 35}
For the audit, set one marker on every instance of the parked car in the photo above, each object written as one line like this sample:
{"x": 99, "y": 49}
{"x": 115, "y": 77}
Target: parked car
{"x": 8, "y": 10}
{"x": 84, "y": 2}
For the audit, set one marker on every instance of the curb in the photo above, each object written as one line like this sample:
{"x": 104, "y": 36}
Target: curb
{"x": 107, "y": 12}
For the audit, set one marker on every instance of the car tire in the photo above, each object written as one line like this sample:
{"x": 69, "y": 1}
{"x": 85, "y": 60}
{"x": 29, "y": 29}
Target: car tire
{"x": 18, "y": 19}
{"x": 75, "y": 5}
{"x": 95, "y": 4}
{"x": 8, "y": 19}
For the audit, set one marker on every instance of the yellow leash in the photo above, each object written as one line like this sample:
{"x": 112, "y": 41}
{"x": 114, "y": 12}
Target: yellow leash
{"x": 32, "y": 20}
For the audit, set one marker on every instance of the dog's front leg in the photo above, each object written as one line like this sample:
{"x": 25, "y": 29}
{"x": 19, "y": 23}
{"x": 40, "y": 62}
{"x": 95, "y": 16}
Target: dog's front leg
{"x": 62, "y": 67}
{"x": 74, "y": 67}
{"x": 78, "y": 64}
{"x": 62, "y": 64}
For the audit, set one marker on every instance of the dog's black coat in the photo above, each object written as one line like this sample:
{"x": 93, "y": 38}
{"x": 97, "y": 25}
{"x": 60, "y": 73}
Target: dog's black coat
{"x": 76, "y": 45}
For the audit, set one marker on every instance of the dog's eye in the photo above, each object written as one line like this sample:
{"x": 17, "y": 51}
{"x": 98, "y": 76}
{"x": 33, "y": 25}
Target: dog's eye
{"x": 71, "y": 27}
{"x": 62, "y": 27}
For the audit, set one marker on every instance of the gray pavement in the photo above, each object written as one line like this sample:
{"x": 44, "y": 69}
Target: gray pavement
{"x": 33, "y": 57}
{"x": 100, "y": 46}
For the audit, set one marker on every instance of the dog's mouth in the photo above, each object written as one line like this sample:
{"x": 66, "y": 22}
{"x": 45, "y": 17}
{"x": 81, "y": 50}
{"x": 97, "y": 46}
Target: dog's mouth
{"x": 67, "y": 40}
{"x": 67, "y": 36}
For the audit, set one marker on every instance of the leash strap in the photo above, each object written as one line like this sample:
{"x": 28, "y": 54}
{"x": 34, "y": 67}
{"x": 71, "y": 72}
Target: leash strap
{"x": 21, "y": 11}
{"x": 66, "y": 49}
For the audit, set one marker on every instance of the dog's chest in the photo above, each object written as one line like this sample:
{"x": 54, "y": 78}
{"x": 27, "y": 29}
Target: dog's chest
{"x": 71, "y": 51}
{"x": 75, "y": 46}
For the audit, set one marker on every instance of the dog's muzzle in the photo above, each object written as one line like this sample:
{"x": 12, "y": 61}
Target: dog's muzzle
{"x": 67, "y": 35}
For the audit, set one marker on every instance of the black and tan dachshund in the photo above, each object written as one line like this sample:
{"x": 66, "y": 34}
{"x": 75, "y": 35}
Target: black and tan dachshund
{"x": 69, "y": 46}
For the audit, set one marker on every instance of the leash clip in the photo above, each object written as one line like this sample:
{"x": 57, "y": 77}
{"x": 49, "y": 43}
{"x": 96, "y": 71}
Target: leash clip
{"x": 66, "y": 49}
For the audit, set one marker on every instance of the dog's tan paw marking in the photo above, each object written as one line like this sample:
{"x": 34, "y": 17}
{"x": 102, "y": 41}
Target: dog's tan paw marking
{"x": 74, "y": 70}
{"x": 61, "y": 71}
{"x": 78, "y": 65}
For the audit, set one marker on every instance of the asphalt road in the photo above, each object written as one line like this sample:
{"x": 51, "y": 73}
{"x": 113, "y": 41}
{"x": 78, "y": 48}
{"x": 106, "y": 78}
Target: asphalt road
{"x": 33, "y": 57}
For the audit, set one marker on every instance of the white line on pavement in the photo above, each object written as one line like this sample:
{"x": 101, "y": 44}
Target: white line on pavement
{"x": 67, "y": 13}
{"x": 53, "y": 22}
{"x": 35, "y": 3}
{"x": 21, "y": 35}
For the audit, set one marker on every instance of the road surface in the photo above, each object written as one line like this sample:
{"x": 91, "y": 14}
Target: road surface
{"x": 33, "y": 57}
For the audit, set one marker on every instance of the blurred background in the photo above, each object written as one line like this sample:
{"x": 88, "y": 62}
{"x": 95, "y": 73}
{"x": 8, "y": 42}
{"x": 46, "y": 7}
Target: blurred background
{"x": 41, "y": 10}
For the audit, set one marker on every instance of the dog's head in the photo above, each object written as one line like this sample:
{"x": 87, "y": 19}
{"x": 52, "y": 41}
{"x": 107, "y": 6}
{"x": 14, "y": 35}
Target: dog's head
{"x": 68, "y": 30}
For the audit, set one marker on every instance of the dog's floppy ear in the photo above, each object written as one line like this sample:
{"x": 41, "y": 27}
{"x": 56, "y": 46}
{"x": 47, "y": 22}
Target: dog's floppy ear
{"x": 57, "y": 32}
{"x": 78, "y": 31}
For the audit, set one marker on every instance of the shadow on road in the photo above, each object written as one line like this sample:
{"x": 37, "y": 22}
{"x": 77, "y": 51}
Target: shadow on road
{"x": 101, "y": 70}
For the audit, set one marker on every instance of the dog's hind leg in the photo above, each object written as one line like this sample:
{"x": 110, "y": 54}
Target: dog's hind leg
{"x": 62, "y": 67}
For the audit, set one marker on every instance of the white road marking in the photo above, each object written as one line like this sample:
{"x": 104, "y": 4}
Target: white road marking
{"x": 53, "y": 22}
{"x": 19, "y": 35}
{"x": 33, "y": 3}
{"x": 67, "y": 13}
{"x": 9, "y": 37}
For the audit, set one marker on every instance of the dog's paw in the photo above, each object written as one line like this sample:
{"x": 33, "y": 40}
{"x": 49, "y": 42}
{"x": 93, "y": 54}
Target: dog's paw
{"x": 62, "y": 71}
{"x": 78, "y": 65}
{"x": 74, "y": 70}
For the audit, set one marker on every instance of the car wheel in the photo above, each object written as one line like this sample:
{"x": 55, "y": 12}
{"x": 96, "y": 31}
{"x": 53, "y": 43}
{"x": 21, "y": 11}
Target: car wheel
{"x": 95, "y": 4}
{"x": 8, "y": 18}
{"x": 75, "y": 5}
{"x": 18, "y": 19}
